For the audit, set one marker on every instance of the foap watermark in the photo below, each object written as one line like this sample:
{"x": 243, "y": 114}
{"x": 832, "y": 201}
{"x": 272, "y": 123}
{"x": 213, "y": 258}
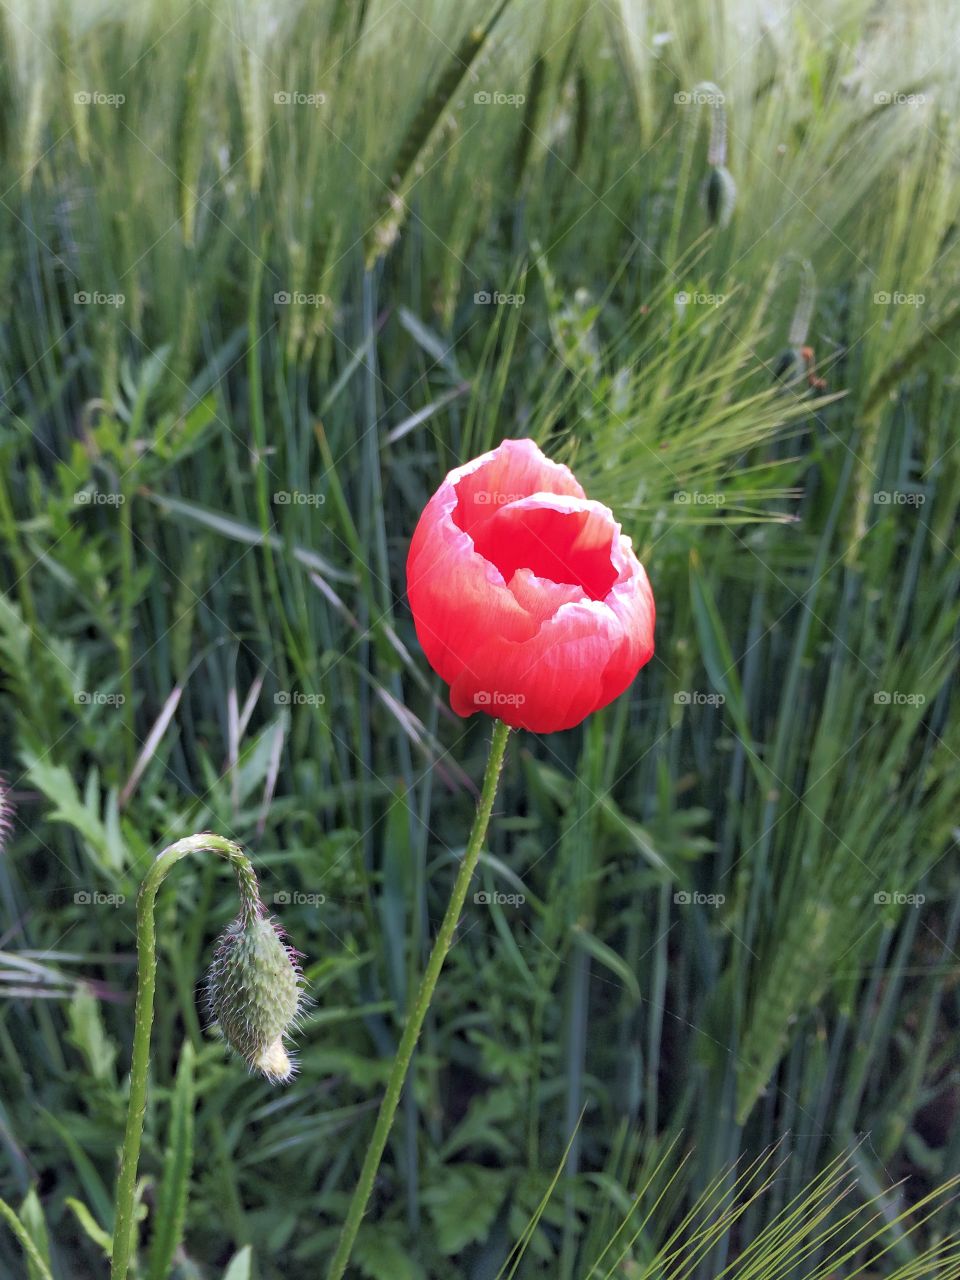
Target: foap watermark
{"x": 494, "y": 498}
{"x": 899, "y": 498}
{"x": 296, "y": 898}
{"x": 494, "y": 98}
{"x": 898, "y": 899}
{"x": 698, "y": 698}
{"x": 298, "y": 498}
{"x": 94, "y": 298}
{"x": 492, "y": 898}
{"x": 97, "y": 698}
{"x": 486, "y": 298}
{"x": 896, "y": 698}
{"x": 296, "y": 298}
{"x": 94, "y": 898}
{"x": 97, "y": 498}
{"x": 95, "y": 98}
{"x": 699, "y": 98}
{"x": 898, "y": 299}
{"x": 693, "y": 898}
{"x": 297, "y": 698}
{"x": 496, "y": 698}
{"x": 894, "y": 98}
{"x": 295, "y": 98}
{"x": 684, "y": 298}
{"x": 699, "y": 498}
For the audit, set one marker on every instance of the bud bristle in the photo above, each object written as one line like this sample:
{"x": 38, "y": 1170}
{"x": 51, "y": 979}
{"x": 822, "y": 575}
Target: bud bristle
{"x": 254, "y": 991}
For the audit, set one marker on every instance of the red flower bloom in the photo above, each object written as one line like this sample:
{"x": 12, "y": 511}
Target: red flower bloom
{"x": 526, "y": 597}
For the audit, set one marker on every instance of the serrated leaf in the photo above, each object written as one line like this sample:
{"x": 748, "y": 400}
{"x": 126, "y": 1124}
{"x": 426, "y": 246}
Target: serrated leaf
{"x": 382, "y": 1257}
{"x": 464, "y": 1205}
{"x": 88, "y": 1035}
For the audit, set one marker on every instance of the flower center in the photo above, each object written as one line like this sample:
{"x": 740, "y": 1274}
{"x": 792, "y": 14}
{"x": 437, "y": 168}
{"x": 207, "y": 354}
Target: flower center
{"x": 572, "y": 547}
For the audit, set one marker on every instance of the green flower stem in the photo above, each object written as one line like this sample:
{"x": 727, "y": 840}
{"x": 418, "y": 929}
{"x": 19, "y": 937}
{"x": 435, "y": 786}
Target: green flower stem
{"x": 414, "y": 1024}
{"x": 143, "y": 1017}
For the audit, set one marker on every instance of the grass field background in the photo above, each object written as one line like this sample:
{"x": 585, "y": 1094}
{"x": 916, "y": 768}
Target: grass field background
{"x": 270, "y": 270}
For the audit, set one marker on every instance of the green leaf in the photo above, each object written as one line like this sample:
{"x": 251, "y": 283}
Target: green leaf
{"x": 172, "y": 1198}
{"x": 606, "y": 956}
{"x": 94, "y": 1189}
{"x": 240, "y": 1264}
{"x": 248, "y": 534}
{"x": 103, "y": 1239}
{"x": 720, "y": 663}
{"x": 34, "y": 1258}
{"x": 31, "y": 1215}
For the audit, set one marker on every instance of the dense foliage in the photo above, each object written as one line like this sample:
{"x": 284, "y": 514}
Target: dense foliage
{"x": 270, "y": 270}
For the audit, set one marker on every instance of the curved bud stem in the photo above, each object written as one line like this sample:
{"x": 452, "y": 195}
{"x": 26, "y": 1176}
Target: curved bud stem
{"x": 416, "y": 1016}
{"x": 143, "y": 1016}
{"x": 717, "y": 148}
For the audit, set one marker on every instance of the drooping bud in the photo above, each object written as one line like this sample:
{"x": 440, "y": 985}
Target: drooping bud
{"x": 797, "y": 361}
{"x": 254, "y": 992}
{"x": 720, "y": 196}
{"x": 790, "y": 365}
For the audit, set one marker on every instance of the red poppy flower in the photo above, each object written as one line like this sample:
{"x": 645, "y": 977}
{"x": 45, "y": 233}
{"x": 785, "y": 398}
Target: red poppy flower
{"x": 528, "y": 600}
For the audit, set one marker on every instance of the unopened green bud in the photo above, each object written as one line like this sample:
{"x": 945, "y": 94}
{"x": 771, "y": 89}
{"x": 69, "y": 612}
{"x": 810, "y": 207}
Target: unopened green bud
{"x": 720, "y": 195}
{"x": 254, "y": 992}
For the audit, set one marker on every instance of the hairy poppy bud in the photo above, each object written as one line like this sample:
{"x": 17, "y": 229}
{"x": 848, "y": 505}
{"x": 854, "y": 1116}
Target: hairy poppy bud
{"x": 254, "y": 990}
{"x": 720, "y": 195}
